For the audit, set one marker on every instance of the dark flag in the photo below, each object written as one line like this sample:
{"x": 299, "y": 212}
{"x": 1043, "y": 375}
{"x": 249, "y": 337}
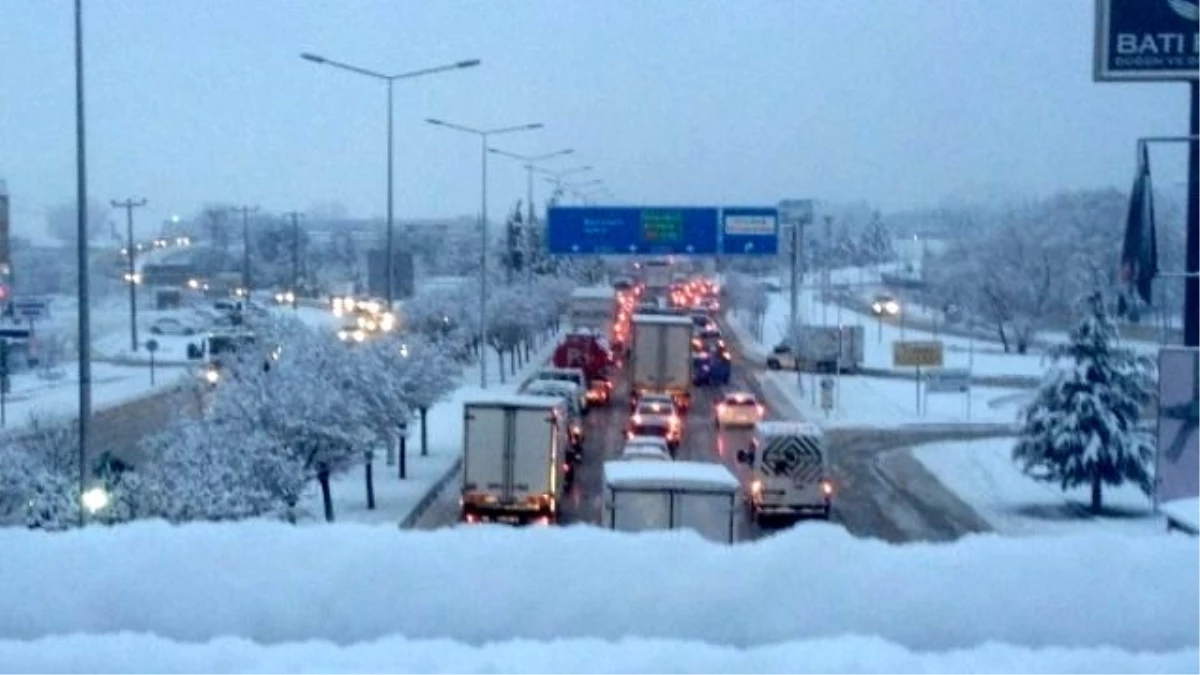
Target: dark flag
{"x": 1139, "y": 256}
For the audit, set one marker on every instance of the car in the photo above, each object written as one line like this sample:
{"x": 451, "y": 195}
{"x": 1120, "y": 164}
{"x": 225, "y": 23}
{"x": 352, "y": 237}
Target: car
{"x": 352, "y": 333}
{"x": 654, "y": 397}
{"x": 172, "y": 326}
{"x": 656, "y": 425}
{"x": 740, "y": 409}
{"x": 783, "y": 358}
{"x": 575, "y": 376}
{"x": 652, "y": 448}
{"x": 885, "y": 305}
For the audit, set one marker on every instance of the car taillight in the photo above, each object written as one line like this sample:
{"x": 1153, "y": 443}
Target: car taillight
{"x": 721, "y": 407}
{"x": 761, "y": 410}
{"x": 756, "y": 486}
{"x": 827, "y": 488}
{"x": 637, "y": 419}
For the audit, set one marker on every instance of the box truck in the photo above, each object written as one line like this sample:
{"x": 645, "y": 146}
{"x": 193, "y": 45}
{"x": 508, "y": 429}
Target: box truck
{"x": 642, "y": 495}
{"x": 514, "y": 452}
{"x": 662, "y": 357}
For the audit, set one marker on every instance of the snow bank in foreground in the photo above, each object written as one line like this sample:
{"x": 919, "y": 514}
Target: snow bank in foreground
{"x": 271, "y": 583}
{"x": 150, "y": 654}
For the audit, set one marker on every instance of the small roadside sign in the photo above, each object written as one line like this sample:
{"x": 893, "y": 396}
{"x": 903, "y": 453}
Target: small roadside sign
{"x": 947, "y": 380}
{"x": 30, "y": 308}
{"x": 919, "y": 353}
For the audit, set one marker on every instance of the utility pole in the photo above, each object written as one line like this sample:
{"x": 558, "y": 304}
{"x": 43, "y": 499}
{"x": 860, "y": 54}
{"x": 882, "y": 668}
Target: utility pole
{"x": 295, "y": 216}
{"x": 131, "y": 275}
{"x": 246, "y": 211}
{"x": 826, "y": 277}
{"x": 794, "y": 297}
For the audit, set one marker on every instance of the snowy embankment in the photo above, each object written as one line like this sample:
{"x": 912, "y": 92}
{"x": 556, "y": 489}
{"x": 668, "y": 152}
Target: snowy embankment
{"x": 396, "y": 499}
{"x": 983, "y": 474}
{"x": 106, "y": 653}
{"x": 357, "y": 597}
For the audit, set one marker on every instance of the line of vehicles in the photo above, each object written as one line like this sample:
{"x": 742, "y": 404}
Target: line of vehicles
{"x": 659, "y": 333}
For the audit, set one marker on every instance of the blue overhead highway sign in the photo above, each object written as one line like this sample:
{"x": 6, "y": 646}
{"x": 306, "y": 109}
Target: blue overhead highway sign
{"x": 632, "y": 230}
{"x": 749, "y": 231}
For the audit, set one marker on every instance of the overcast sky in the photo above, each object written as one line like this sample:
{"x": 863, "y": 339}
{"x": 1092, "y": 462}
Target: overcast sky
{"x": 681, "y": 101}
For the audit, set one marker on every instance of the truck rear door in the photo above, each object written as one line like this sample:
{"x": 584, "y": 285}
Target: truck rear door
{"x": 484, "y": 460}
{"x": 534, "y": 464}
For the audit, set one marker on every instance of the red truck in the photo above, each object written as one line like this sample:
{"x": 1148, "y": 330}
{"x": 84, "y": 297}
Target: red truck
{"x": 587, "y": 351}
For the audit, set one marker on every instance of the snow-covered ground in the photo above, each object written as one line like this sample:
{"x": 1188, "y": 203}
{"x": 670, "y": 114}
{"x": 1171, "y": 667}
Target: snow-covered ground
{"x": 882, "y": 402}
{"x": 33, "y": 397}
{"x": 984, "y": 476}
{"x": 359, "y": 597}
{"x": 395, "y": 498}
{"x": 108, "y": 653}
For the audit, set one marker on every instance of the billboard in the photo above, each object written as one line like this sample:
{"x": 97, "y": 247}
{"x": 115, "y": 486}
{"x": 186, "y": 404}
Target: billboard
{"x": 1177, "y": 475}
{"x": 624, "y": 230}
{"x": 402, "y": 274}
{"x": 1146, "y": 40}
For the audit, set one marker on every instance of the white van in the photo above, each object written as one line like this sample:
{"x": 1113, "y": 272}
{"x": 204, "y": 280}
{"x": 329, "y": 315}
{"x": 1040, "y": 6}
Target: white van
{"x": 789, "y": 471}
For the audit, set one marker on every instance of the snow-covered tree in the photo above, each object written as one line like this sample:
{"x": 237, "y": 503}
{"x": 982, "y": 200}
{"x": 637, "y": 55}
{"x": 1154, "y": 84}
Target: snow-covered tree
{"x": 1081, "y": 429}
{"x": 431, "y": 376}
{"x": 446, "y": 315}
{"x": 39, "y": 479}
{"x": 205, "y": 470}
{"x": 876, "y": 243}
{"x": 308, "y": 405}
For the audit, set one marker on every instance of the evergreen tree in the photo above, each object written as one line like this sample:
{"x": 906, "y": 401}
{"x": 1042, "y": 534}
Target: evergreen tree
{"x": 876, "y": 243}
{"x": 1081, "y": 429}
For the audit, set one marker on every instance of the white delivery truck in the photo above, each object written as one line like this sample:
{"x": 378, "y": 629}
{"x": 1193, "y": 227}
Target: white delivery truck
{"x": 644, "y": 495}
{"x": 817, "y": 348}
{"x": 593, "y": 307}
{"x": 656, "y": 275}
{"x": 514, "y": 453}
{"x": 662, "y": 356}
{"x": 789, "y": 471}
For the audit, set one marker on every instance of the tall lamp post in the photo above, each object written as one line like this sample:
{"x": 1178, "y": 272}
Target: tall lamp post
{"x": 530, "y": 163}
{"x": 389, "y": 79}
{"x": 577, "y": 189}
{"x": 81, "y": 250}
{"x": 557, "y": 176}
{"x": 483, "y": 135}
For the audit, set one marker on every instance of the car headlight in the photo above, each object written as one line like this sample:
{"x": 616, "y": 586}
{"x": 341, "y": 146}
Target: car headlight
{"x": 892, "y": 307}
{"x": 359, "y": 336}
{"x": 212, "y": 376}
{"x": 877, "y": 308}
{"x": 343, "y": 335}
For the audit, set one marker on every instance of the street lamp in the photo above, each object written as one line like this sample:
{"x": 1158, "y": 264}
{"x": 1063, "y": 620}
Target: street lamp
{"x": 530, "y": 164}
{"x": 389, "y": 79}
{"x": 483, "y": 135}
{"x": 94, "y": 499}
{"x": 557, "y": 176}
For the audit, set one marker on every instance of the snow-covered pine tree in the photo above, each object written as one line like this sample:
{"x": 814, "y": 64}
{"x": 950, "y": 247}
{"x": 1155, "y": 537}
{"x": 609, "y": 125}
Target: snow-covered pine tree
{"x": 1081, "y": 429}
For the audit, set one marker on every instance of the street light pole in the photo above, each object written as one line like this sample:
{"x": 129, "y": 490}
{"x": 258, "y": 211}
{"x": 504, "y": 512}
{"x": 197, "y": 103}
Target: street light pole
{"x": 131, "y": 275}
{"x": 389, "y": 262}
{"x": 295, "y": 216}
{"x": 483, "y": 134}
{"x": 81, "y": 250}
{"x": 530, "y": 163}
{"x": 246, "y": 211}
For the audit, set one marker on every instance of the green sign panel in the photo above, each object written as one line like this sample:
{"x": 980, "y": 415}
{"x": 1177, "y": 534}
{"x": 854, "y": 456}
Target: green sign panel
{"x": 665, "y": 227}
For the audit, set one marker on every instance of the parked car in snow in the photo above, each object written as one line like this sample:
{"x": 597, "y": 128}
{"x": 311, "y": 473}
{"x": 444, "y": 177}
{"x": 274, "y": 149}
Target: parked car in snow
{"x": 169, "y": 325}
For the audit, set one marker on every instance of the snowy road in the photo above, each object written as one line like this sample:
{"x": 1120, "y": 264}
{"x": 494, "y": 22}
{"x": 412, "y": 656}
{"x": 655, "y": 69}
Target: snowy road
{"x": 883, "y": 492}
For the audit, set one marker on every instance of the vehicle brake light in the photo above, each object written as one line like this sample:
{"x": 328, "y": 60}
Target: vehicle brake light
{"x": 827, "y": 488}
{"x": 761, "y": 410}
{"x": 721, "y": 407}
{"x": 637, "y": 419}
{"x": 756, "y": 487}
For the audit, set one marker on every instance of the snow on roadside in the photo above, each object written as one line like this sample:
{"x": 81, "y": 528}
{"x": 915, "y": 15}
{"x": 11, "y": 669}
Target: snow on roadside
{"x": 395, "y": 498}
{"x": 882, "y": 402}
{"x": 145, "y": 652}
{"x": 983, "y": 475}
{"x": 59, "y": 399}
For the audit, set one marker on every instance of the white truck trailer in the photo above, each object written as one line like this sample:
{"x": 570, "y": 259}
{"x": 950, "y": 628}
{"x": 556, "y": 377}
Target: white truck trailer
{"x": 514, "y": 452}
{"x": 662, "y": 356}
{"x": 593, "y": 307}
{"x": 818, "y": 348}
{"x": 642, "y": 495}
{"x": 789, "y": 471}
